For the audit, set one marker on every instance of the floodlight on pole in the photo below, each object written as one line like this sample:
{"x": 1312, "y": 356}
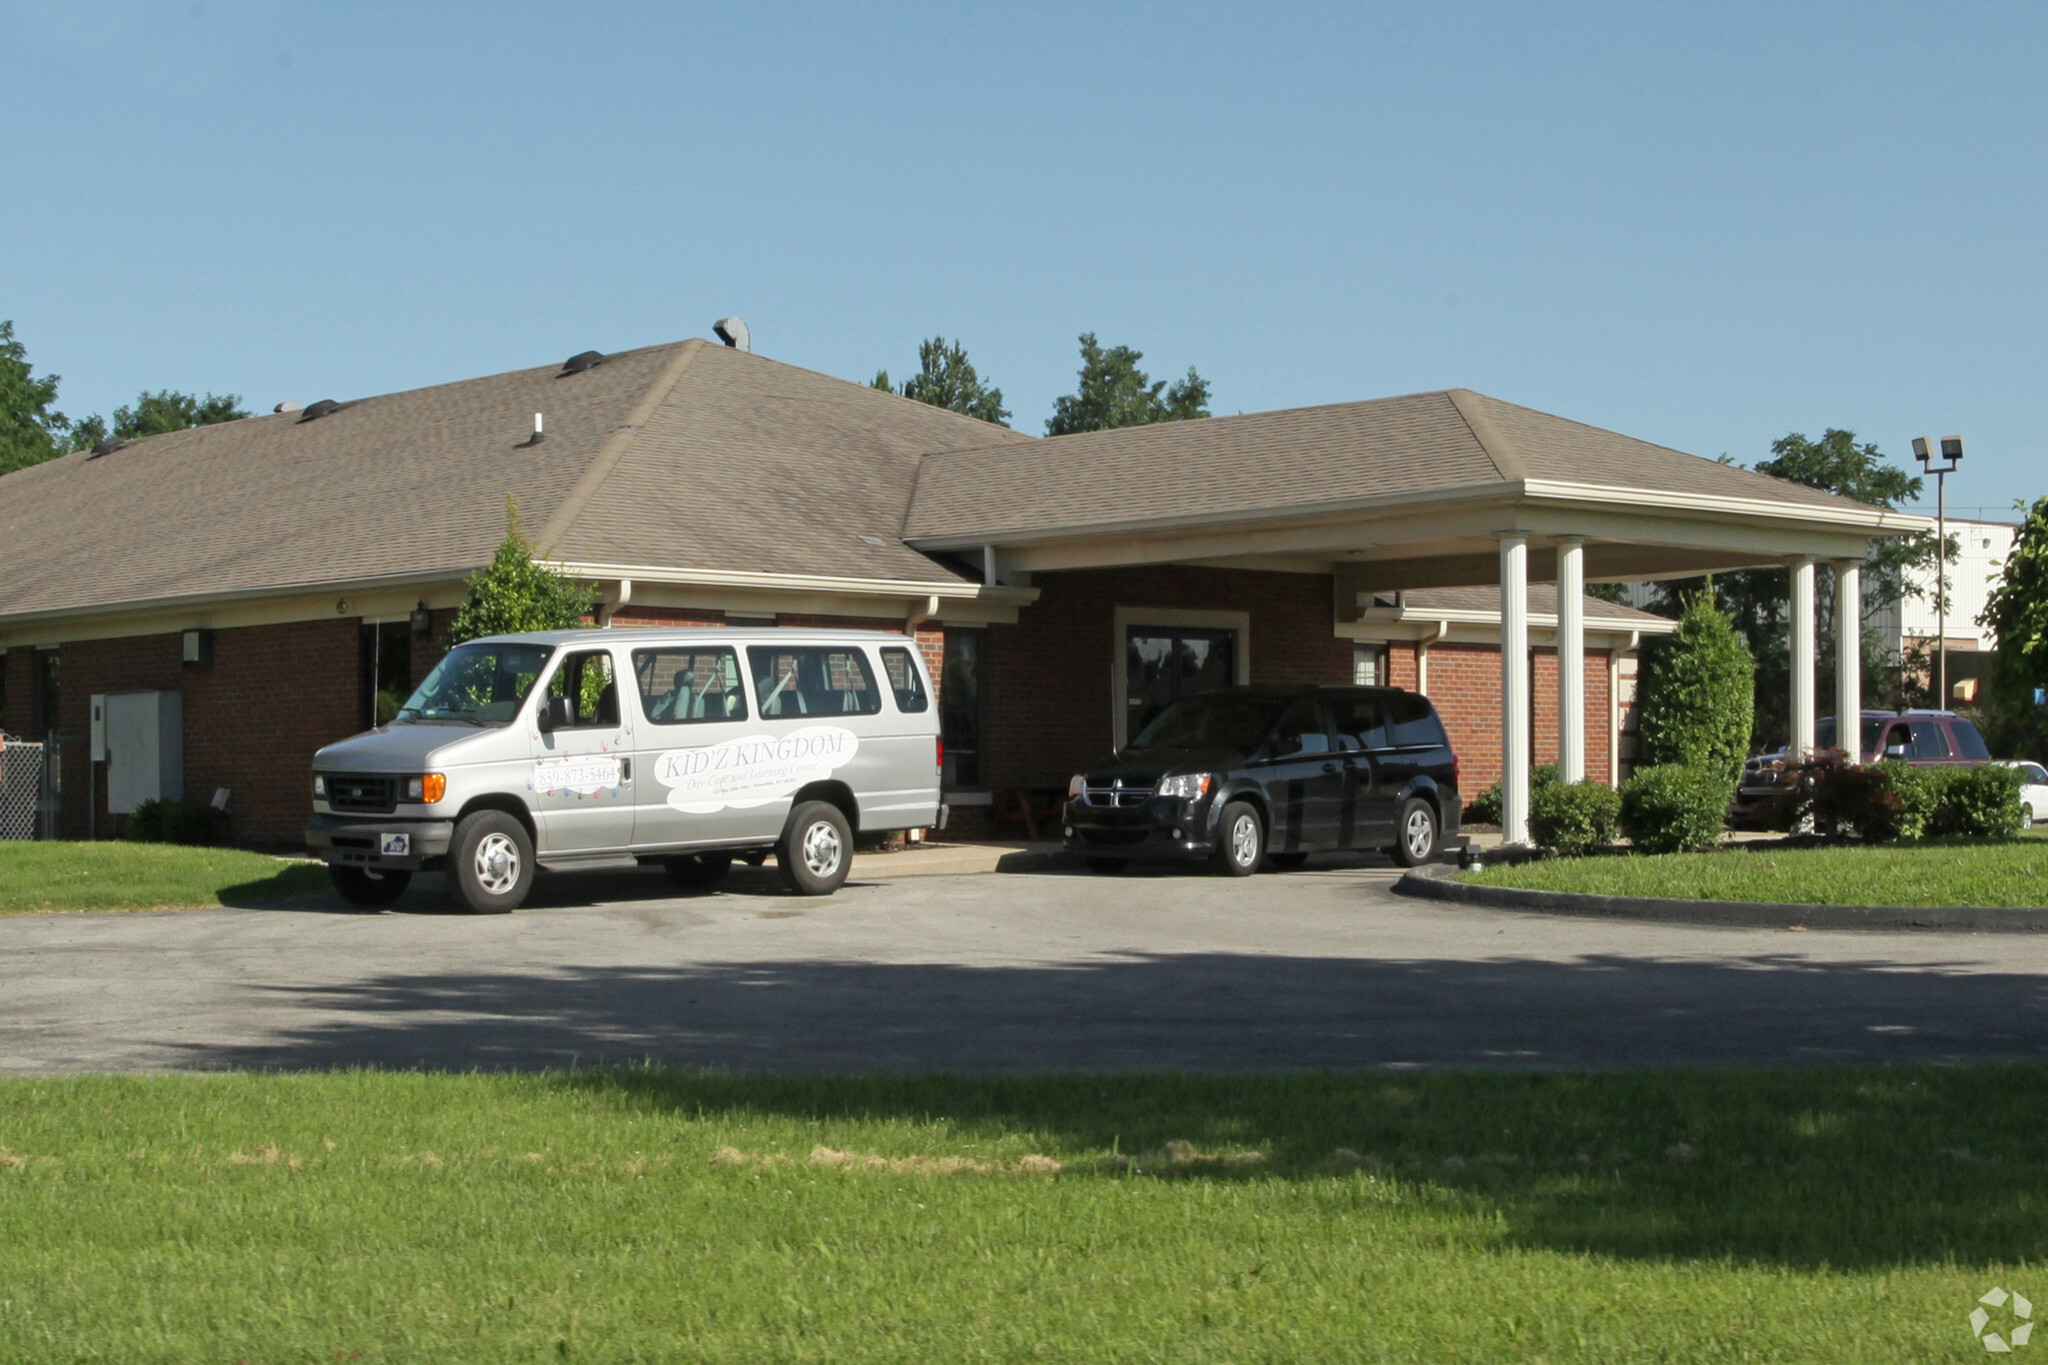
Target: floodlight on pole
{"x": 1949, "y": 451}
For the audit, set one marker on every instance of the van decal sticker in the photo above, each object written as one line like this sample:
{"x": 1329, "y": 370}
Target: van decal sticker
{"x": 752, "y": 770}
{"x": 583, "y": 774}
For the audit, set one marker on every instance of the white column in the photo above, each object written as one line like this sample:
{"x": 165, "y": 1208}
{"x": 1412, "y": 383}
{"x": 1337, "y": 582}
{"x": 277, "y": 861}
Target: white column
{"x": 1803, "y": 645}
{"x": 1514, "y": 689}
{"x": 1849, "y": 658}
{"x": 1571, "y": 659}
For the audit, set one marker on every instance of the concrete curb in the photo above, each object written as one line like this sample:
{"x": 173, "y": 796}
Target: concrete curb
{"x": 1437, "y": 883}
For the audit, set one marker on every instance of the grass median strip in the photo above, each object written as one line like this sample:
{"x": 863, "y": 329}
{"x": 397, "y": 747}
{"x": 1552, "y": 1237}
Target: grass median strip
{"x": 1982, "y": 872}
{"x": 41, "y": 878}
{"x": 1786, "y": 1216}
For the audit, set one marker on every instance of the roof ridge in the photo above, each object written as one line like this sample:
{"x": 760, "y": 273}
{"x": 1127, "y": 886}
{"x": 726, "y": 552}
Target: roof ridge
{"x": 614, "y": 449}
{"x": 1499, "y": 449}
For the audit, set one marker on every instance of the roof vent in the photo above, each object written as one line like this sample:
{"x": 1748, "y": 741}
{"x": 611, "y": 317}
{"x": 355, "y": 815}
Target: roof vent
{"x": 286, "y": 406}
{"x": 581, "y": 361}
{"x": 107, "y": 447}
{"x": 733, "y": 333}
{"x": 315, "y": 411}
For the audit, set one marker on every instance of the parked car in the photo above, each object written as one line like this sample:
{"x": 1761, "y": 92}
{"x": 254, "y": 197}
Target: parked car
{"x": 2033, "y": 792}
{"x": 602, "y": 748}
{"x": 1919, "y": 738}
{"x": 1244, "y": 774}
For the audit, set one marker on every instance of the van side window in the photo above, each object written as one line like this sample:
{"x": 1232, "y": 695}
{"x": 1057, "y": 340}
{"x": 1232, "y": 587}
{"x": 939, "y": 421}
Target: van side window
{"x": 1358, "y": 723}
{"x": 1301, "y": 731}
{"x": 689, "y": 686}
{"x": 587, "y": 679}
{"x": 812, "y": 680}
{"x": 904, "y": 679}
{"x": 1412, "y": 721}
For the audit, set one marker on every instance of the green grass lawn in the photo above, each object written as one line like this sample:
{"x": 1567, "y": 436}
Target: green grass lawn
{"x": 1756, "y": 1216}
{"x": 1986, "y": 872}
{"x": 43, "y": 877}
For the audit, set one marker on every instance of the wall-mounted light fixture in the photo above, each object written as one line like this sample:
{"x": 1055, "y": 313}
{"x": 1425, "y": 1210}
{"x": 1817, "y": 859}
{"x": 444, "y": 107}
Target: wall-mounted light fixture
{"x": 422, "y": 621}
{"x": 195, "y": 650}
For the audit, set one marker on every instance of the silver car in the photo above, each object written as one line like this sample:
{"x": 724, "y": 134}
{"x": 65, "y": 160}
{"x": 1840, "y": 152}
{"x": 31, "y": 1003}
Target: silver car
{"x": 607, "y": 748}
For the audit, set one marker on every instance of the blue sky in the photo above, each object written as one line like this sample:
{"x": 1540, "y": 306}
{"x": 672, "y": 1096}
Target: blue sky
{"x": 1704, "y": 225}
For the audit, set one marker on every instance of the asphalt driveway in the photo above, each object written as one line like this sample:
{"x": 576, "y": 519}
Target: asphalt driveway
{"x": 1030, "y": 972}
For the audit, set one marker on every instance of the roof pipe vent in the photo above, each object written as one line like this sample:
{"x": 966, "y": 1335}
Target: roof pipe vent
{"x": 107, "y": 447}
{"x": 581, "y": 361}
{"x": 733, "y": 332}
{"x": 537, "y": 437}
{"x": 286, "y": 406}
{"x": 316, "y": 411}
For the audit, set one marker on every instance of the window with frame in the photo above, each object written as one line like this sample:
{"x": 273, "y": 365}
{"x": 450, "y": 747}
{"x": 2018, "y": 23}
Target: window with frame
{"x": 587, "y": 679}
{"x": 689, "y": 686}
{"x": 904, "y": 679}
{"x": 960, "y": 709}
{"x": 1369, "y": 666}
{"x": 812, "y": 680}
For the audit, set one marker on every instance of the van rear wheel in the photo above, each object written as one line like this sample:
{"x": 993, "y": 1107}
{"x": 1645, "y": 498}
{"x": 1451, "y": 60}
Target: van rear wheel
{"x": 360, "y": 886}
{"x": 816, "y": 849}
{"x": 490, "y": 862}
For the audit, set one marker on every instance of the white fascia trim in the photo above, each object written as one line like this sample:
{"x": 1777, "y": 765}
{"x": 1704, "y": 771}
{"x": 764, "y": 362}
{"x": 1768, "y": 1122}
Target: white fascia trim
{"x": 959, "y": 589}
{"x": 190, "y": 601}
{"x": 1466, "y": 617}
{"x": 1876, "y": 519}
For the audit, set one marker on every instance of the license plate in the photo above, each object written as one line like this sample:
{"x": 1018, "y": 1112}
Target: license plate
{"x": 396, "y": 846}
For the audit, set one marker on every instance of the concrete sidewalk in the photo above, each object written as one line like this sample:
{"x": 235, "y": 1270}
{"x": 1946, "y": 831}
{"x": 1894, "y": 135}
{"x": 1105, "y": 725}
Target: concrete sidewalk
{"x": 933, "y": 859}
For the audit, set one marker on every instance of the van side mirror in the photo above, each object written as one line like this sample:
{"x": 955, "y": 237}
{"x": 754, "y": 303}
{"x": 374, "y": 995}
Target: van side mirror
{"x": 1895, "y": 751}
{"x": 556, "y": 713}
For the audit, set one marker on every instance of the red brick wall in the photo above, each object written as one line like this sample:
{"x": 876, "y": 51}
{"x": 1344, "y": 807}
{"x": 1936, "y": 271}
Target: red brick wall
{"x": 252, "y": 721}
{"x": 1464, "y": 682}
{"x": 631, "y": 615}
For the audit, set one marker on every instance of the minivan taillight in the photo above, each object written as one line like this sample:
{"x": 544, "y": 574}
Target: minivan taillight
{"x": 1454, "y": 773}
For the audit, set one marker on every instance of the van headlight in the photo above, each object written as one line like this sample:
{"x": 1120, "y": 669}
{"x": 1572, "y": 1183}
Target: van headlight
{"x": 426, "y": 788}
{"x": 1186, "y": 786}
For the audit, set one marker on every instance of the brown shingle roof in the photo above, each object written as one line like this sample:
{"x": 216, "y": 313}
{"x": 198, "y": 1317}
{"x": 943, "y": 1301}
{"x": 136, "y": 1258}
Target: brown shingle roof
{"x": 1273, "y": 460}
{"x": 1542, "y": 602}
{"x": 741, "y": 464}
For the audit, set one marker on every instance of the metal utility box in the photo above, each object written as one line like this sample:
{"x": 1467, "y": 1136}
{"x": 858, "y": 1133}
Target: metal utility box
{"x": 145, "y": 749}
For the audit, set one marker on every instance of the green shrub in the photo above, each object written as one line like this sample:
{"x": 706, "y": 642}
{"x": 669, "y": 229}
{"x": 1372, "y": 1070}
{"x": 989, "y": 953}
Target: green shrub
{"x": 1672, "y": 808}
{"x": 1485, "y": 808}
{"x": 1698, "y": 696}
{"x": 1574, "y": 817}
{"x": 170, "y": 822}
{"x": 1982, "y": 801}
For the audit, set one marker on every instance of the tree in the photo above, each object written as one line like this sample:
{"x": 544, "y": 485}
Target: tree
{"x": 1759, "y": 601}
{"x": 31, "y": 430}
{"x": 1114, "y": 392}
{"x": 946, "y": 379}
{"x": 1697, "y": 703}
{"x": 518, "y": 593}
{"x": 2017, "y": 614}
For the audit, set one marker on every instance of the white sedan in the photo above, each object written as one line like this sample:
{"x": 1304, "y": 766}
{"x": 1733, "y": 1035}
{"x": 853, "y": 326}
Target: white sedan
{"x": 2033, "y": 793}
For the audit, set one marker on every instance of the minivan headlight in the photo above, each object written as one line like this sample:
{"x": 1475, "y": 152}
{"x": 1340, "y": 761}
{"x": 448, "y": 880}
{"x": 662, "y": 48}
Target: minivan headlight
{"x": 1075, "y": 783}
{"x": 1186, "y": 786}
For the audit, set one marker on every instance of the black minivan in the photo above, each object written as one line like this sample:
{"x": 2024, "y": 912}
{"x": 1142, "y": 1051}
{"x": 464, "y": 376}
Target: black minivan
{"x": 1246, "y": 774}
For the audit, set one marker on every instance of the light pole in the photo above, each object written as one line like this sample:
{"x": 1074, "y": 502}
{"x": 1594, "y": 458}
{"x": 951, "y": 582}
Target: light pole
{"x": 1951, "y": 454}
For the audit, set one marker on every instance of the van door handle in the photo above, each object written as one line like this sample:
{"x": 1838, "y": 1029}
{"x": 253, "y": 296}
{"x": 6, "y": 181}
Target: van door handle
{"x": 625, "y": 770}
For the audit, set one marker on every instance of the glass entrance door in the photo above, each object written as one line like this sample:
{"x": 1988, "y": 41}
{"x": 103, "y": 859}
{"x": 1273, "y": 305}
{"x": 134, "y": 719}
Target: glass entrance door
{"x": 1162, "y": 664}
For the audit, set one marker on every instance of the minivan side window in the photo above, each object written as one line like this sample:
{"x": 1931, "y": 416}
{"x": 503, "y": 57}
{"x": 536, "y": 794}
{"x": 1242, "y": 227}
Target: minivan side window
{"x": 689, "y": 686}
{"x": 812, "y": 680}
{"x": 1928, "y": 740}
{"x": 1301, "y": 731}
{"x": 1358, "y": 722}
{"x": 904, "y": 679}
{"x": 1412, "y": 721}
{"x": 587, "y": 680}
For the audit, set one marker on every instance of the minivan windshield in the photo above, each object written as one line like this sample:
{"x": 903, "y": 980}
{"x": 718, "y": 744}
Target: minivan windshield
{"x": 1212, "y": 720}
{"x": 481, "y": 684}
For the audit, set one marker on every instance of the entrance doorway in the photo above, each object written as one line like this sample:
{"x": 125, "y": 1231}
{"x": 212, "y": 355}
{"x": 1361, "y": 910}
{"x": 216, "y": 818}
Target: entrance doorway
{"x": 1162, "y": 664}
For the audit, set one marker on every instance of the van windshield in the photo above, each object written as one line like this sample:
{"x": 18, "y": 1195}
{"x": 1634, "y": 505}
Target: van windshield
{"x": 1213, "y": 720}
{"x": 480, "y": 684}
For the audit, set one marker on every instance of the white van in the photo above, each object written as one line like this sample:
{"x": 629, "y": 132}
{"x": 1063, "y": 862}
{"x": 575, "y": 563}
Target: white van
{"x": 601, "y": 748}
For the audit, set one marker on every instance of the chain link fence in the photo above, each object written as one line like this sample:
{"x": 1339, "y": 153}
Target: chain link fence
{"x": 23, "y": 788}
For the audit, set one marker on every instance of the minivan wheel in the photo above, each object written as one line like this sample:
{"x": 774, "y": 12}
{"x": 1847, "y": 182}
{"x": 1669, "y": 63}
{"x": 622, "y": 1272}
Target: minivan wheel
{"x": 1418, "y": 833}
{"x": 360, "y": 886}
{"x": 816, "y": 849}
{"x": 1240, "y": 840}
{"x": 490, "y": 862}
{"x": 698, "y": 871}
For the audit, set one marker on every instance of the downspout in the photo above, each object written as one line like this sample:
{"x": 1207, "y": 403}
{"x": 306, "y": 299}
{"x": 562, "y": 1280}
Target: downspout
{"x": 1436, "y": 634}
{"x": 921, "y": 615}
{"x": 1635, "y": 637}
{"x": 615, "y": 601}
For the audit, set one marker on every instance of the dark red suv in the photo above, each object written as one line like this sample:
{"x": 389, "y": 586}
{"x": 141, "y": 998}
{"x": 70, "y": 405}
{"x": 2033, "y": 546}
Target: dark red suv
{"x": 1920, "y": 738}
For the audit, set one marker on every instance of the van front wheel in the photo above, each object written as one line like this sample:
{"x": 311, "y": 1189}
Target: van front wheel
{"x": 816, "y": 849}
{"x": 490, "y": 862}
